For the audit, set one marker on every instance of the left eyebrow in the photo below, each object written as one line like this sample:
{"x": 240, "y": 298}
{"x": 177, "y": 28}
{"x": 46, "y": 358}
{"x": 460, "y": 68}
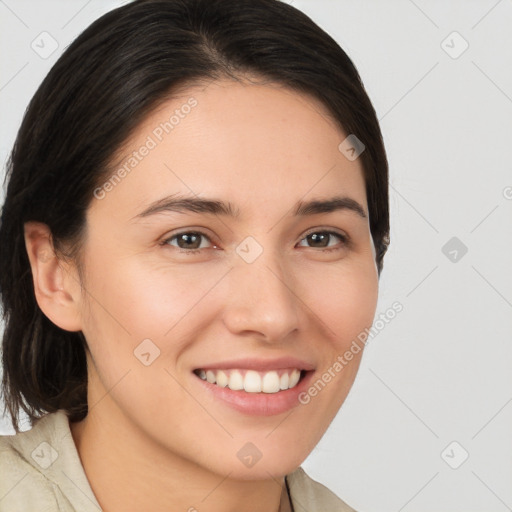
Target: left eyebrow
{"x": 186, "y": 204}
{"x": 330, "y": 205}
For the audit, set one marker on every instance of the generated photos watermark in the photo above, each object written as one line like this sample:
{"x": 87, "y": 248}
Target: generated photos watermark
{"x": 362, "y": 339}
{"x": 151, "y": 142}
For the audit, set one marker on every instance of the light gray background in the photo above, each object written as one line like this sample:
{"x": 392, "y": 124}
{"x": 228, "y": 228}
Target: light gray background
{"x": 440, "y": 371}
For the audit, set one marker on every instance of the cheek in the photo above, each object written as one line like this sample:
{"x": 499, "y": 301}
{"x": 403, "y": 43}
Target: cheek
{"x": 344, "y": 301}
{"x": 133, "y": 300}
{"x": 344, "y": 298}
{"x": 142, "y": 318}
{"x": 132, "y": 297}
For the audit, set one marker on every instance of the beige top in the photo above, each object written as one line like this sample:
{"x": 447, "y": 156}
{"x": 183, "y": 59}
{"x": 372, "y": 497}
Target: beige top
{"x": 40, "y": 470}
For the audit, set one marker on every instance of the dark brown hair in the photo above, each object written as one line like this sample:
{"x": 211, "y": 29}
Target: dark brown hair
{"x": 105, "y": 83}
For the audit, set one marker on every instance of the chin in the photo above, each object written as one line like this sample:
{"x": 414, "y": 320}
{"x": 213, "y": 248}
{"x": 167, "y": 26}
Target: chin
{"x": 262, "y": 470}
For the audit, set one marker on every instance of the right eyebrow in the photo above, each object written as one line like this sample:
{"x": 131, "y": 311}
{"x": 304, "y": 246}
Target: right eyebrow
{"x": 190, "y": 204}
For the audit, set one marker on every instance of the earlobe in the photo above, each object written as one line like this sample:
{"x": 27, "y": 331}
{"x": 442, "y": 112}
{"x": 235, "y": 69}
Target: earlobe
{"x": 56, "y": 289}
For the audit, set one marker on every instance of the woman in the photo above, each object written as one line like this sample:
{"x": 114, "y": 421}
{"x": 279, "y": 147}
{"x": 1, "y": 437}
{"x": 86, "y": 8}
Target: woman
{"x": 192, "y": 237}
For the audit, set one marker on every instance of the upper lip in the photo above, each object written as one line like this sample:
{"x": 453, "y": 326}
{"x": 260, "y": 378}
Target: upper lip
{"x": 259, "y": 364}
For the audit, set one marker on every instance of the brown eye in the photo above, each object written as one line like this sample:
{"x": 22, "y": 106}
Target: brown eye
{"x": 324, "y": 239}
{"x": 188, "y": 240}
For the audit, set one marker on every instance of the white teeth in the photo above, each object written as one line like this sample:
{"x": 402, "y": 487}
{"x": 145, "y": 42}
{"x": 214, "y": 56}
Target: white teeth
{"x": 283, "y": 383}
{"x": 270, "y": 383}
{"x": 252, "y": 381}
{"x": 222, "y": 379}
{"x": 236, "y": 381}
{"x": 294, "y": 378}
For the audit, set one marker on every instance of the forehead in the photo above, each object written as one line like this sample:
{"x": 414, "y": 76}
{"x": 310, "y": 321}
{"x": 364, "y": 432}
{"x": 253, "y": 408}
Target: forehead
{"x": 257, "y": 146}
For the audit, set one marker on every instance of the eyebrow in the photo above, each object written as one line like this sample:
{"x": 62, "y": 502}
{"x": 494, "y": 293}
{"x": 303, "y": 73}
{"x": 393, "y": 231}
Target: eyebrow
{"x": 181, "y": 204}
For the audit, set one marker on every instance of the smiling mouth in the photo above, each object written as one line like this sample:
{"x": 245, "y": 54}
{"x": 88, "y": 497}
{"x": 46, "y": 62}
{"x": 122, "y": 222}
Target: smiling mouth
{"x": 252, "y": 381}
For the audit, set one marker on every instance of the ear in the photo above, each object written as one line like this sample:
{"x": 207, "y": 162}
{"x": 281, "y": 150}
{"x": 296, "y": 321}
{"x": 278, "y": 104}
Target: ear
{"x": 56, "y": 284}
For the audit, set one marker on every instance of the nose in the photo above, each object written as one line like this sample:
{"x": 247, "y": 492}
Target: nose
{"x": 262, "y": 301}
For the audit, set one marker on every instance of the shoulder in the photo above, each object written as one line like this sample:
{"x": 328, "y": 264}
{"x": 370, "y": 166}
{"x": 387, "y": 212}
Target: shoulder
{"x": 41, "y": 470}
{"x": 308, "y": 494}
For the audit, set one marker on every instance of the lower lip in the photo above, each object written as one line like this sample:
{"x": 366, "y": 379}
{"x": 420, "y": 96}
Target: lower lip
{"x": 259, "y": 404}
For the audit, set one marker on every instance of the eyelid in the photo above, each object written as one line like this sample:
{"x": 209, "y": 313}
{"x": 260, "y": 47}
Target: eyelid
{"x": 321, "y": 229}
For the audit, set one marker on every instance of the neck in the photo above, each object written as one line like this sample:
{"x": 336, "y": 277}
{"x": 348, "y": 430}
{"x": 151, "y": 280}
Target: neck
{"x": 127, "y": 471}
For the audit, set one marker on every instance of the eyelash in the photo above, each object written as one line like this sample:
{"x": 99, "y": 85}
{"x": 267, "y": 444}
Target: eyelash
{"x": 345, "y": 241}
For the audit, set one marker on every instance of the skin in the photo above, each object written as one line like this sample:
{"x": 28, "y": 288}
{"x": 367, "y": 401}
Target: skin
{"x": 153, "y": 437}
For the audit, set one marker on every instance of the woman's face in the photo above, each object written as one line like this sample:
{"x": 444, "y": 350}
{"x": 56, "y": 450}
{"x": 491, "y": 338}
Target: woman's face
{"x": 196, "y": 260}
